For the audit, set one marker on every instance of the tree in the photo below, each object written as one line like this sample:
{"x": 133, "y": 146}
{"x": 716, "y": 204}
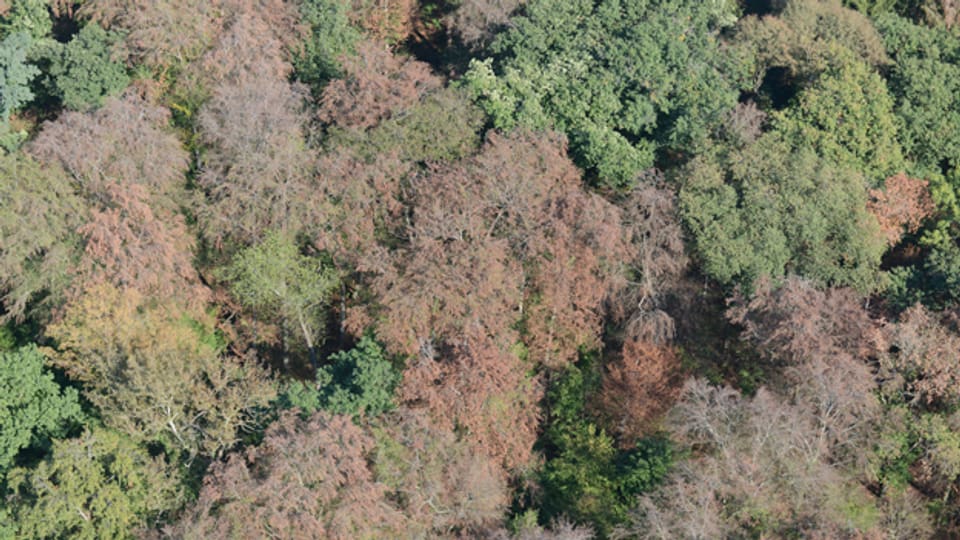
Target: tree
{"x": 622, "y": 80}
{"x": 331, "y": 36}
{"x": 761, "y": 468}
{"x": 33, "y": 407}
{"x": 15, "y": 77}
{"x": 389, "y": 21}
{"x": 444, "y": 485}
{"x": 475, "y": 22}
{"x": 924, "y": 359}
{"x": 308, "y": 478}
{"x": 773, "y": 207}
{"x": 155, "y": 373}
{"x": 275, "y": 280}
{"x": 359, "y": 381}
{"x": 27, "y": 16}
{"x": 255, "y": 173}
{"x": 585, "y": 476}
{"x": 83, "y": 70}
{"x": 638, "y": 386}
{"x": 100, "y": 485}
{"x": 924, "y": 84}
{"x": 902, "y": 206}
{"x": 377, "y": 85}
{"x": 40, "y": 212}
{"x": 847, "y": 117}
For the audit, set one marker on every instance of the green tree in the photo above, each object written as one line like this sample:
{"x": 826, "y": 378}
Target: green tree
{"x": 331, "y": 36}
{"x": 773, "y": 208}
{"x": 621, "y": 79}
{"x": 27, "y": 16}
{"x": 33, "y": 407}
{"x": 358, "y": 381}
{"x": 274, "y": 279}
{"x": 100, "y": 485}
{"x": 83, "y": 72}
{"x": 847, "y": 117}
{"x": 15, "y": 77}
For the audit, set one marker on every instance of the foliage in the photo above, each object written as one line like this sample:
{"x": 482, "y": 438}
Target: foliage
{"x": 152, "y": 374}
{"x": 83, "y": 70}
{"x": 621, "y": 79}
{"x": 274, "y": 279}
{"x": 847, "y": 117}
{"x": 100, "y": 485}
{"x": 772, "y": 208}
{"x": 308, "y": 478}
{"x": 26, "y": 16}
{"x": 33, "y": 407}
{"x": 39, "y": 214}
{"x": 15, "y": 76}
{"x": 331, "y": 37}
{"x": 357, "y": 381}
{"x": 585, "y": 476}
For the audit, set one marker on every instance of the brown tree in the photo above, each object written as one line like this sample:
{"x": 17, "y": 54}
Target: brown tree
{"x": 443, "y": 485}
{"x": 130, "y": 169}
{"x": 796, "y": 322}
{"x": 256, "y": 174}
{"x": 761, "y": 468}
{"x": 924, "y": 359}
{"x": 638, "y": 386}
{"x": 389, "y": 21}
{"x": 475, "y": 22}
{"x": 901, "y": 206}
{"x": 307, "y": 479}
{"x": 377, "y": 85}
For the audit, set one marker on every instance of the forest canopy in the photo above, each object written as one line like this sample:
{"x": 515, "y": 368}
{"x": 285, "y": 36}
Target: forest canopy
{"x": 499, "y": 269}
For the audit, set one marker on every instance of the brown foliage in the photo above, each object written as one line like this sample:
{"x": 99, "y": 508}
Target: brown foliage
{"x": 363, "y": 207}
{"x": 901, "y": 206}
{"x": 247, "y": 49}
{"x": 161, "y": 33}
{"x": 389, "y": 21}
{"x": 131, "y": 171}
{"x": 377, "y": 85}
{"x": 638, "y": 387}
{"x": 946, "y": 12}
{"x": 307, "y": 479}
{"x": 925, "y": 357}
{"x": 255, "y": 173}
{"x": 129, "y": 245}
{"x": 797, "y": 322}
{"x": 745, "y": 122}
{"x": 761, "y": 457}
{"x": 475, "y": 22}
{"x": 442, "y": 485}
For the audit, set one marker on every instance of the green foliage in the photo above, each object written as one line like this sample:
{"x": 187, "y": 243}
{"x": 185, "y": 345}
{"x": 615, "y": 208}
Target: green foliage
{"x": 275, "y": 280}
{"x": 358, "y": 381}
{"x": 586, "y": 477}
{"x": 331, "y": 36}
{"x": 33, "y": 407}
{"x": 621, "y": 79}
{"x": 15, "y": 77}
{"x": 100, "y": 485}
{"x": 847, "y": 117}
{"x": 83, "y": 72}
{"x": 925, "y": 82}
{"x": 772, "y": 209}
{"x": 29, "y": 17}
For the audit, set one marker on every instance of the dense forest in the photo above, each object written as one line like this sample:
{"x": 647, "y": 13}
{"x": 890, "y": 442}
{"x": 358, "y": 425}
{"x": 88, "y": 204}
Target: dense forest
{"x": 506, "y": 269}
